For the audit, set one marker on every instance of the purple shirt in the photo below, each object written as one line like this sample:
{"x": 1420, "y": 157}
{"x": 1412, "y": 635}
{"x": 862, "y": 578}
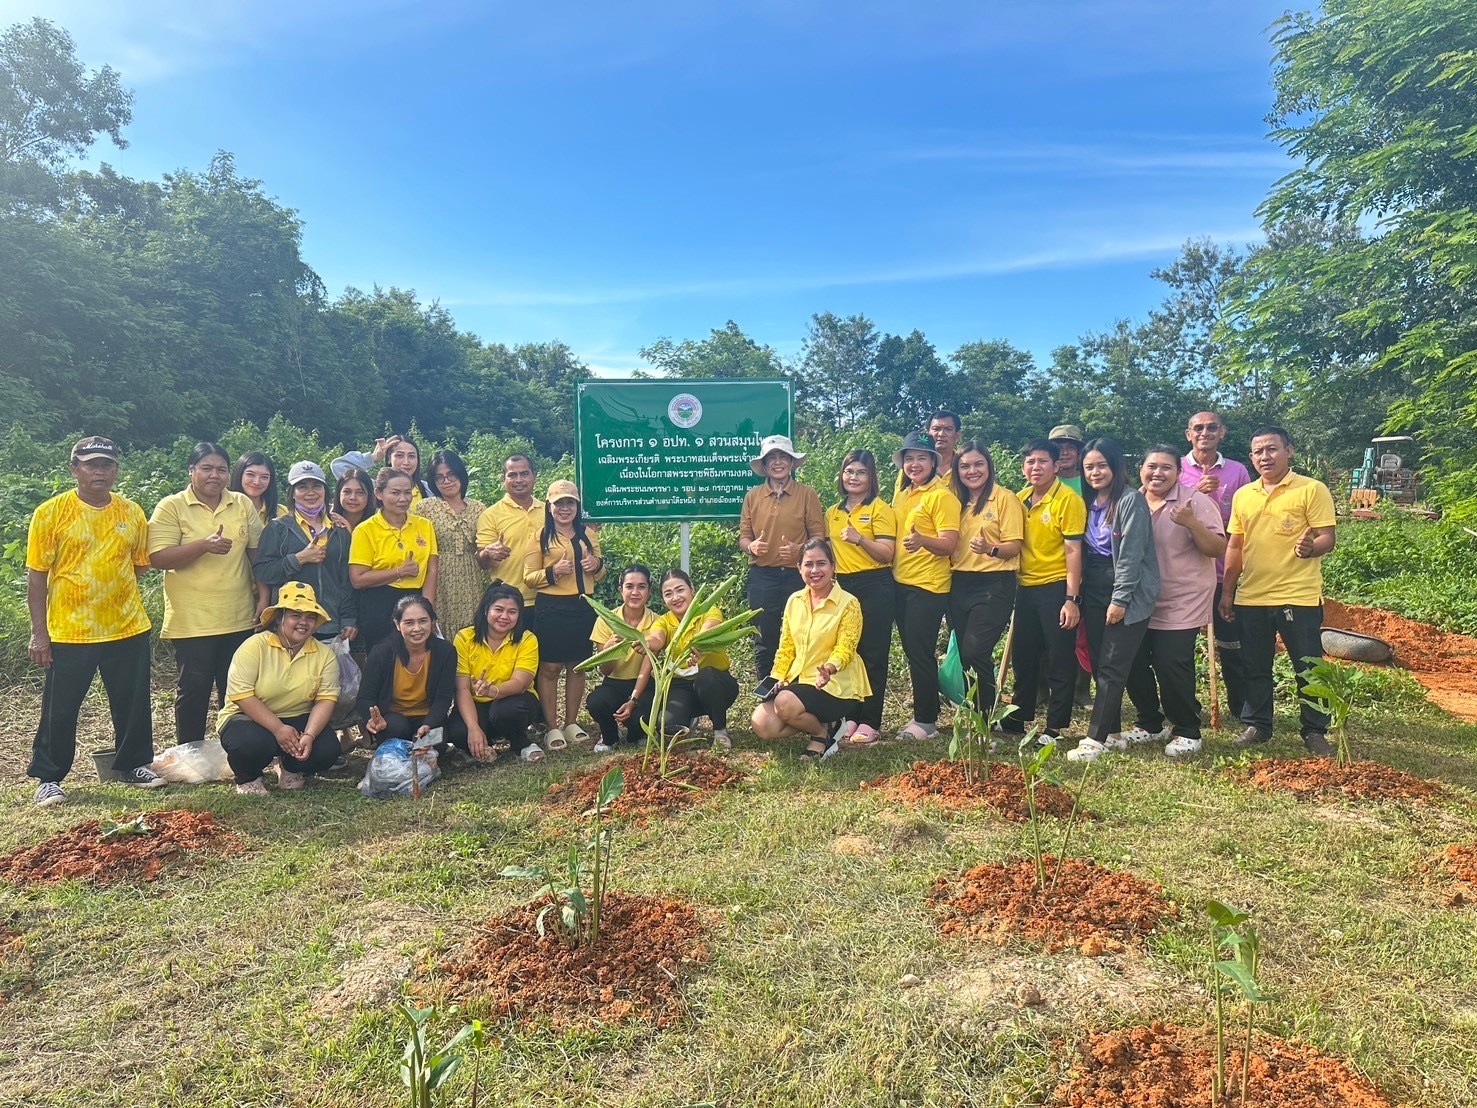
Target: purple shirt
{"x": 1099, "y": 535}
{"x": 1186, "y": 577}
{"x": 1232, "y": 476}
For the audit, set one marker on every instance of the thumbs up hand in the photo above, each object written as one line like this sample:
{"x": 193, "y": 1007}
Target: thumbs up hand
{"x": 789, "y": 551}
{"x": 758, "y": 546}
{"x": 1306, "y": 547}
{"x": 409, "y": 568}
{"x": 912, "y": 541}
{"x": 218, "y": 543}
{"x": 376, "y": 722}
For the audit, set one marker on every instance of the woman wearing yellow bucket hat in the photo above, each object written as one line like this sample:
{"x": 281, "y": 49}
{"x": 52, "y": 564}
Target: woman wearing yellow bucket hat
{"x": 280, "y": 695}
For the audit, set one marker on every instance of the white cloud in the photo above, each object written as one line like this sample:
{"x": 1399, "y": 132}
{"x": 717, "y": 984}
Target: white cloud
{"x": 1074, "y": 255}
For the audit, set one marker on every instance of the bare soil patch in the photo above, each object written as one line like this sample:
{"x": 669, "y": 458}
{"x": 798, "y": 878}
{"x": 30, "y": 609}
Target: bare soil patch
{"x": 81, "y": 853}
{"x": 646, "y": 945}
{"x": 1001, "y": 789}
{"x": 1444, "y": 662}
{"x": 1163, "y": 1066}
{"x": 692, "y": 778}
{"x": 1456, "y": 869}
{"x": 1093, "y": 909}
{"x": 1322, "y": 777}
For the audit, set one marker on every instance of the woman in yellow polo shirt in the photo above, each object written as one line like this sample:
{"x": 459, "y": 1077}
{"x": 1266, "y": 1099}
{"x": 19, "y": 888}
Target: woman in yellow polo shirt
{"x": 409, "y": 683}
{"x": 928, "y": 533}
{"x": 562, "y": 568}
{"x": 823, "y": 680}
{"x": 204, "y": 539}
{"x": 280, "y": 696}
{"x": 624, "y": 695}
{"x": 392, "y": 553}
{"x": 863, "y": 532}
{"x": 992, "y": 525}
{"x": 705, "y": 687}
{"x": 496, "y": 661}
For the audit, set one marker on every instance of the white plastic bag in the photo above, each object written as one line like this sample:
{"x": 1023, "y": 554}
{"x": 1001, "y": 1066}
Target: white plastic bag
{"x": 348, "y": 672}
{"x": 193, "y": 763}
{"x": 389, "y": 772}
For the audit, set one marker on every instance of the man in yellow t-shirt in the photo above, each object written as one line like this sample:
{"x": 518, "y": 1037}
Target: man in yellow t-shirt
{"x": 507, "y": 529}
{"x": 85, "y": 551}
{"x": 1048, "y": 599}
{"x": 1281, "y": 525}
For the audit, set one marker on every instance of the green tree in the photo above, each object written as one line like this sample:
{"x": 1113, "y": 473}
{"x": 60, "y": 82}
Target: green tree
{"x": 727, "y": 352}
{"x": 1378, "y": 101}
{"x": 837, "y": 369}
{"x": 51, "y": 110}
{"x": 990, "y": 392}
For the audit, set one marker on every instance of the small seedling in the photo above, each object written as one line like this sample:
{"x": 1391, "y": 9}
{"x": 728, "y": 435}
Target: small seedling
{"x": 579, "y": 914}
{"x": 424, "y": 1071}
{"x": 1235, "y": 950}
{"x": 1335, "y": 688}
{"x": 664, "y": 666}
{"x": 1036, "y": 770}
{"x": 136, "y": 826}
{"x": 970, "y": 741}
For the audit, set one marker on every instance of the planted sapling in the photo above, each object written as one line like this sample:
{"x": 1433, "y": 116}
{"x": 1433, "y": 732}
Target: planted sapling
{"x": 972, "y": 731}
{"x": 1235, "y": 951}
{"x": 1334, "y": 687}
{"x": 1036, "y": 770}
{"x": 424, "y": 1070}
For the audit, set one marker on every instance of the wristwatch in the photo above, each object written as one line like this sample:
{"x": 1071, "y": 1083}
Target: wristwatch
{"x": 1077, "y": 600}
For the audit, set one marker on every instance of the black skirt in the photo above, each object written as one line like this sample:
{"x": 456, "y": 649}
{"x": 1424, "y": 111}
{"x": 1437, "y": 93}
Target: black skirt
{"x": 563, "y": 625}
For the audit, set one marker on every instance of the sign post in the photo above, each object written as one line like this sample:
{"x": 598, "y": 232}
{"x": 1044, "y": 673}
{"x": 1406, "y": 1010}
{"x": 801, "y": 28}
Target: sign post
{"x": 673, "y": 450}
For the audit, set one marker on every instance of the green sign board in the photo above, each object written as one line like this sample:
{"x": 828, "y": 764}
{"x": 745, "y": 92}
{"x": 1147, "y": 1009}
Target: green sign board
{"x": 674, "y": 450}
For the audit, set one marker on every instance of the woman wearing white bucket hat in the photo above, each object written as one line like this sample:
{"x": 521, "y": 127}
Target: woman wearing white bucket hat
{"x": 778, "y": 518}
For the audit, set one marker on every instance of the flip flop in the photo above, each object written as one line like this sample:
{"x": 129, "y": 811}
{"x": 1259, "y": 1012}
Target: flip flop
{"x": 865, "y": 735}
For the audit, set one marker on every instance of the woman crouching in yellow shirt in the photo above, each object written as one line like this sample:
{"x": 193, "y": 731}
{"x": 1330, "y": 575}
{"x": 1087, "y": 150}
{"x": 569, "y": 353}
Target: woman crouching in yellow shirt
{"x": 496, "y": 660}
{"x": 822, "y": 678}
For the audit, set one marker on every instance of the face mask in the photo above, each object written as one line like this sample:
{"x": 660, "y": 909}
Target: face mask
{"x": 313, "y": 514}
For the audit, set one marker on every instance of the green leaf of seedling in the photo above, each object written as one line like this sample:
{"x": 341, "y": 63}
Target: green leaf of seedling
{"x": 610, "y": 654}
{"x": 613, "y": 620}
{"x": 1245, "y": 984}
{"x": 523, "y": 871}
{"x": 1223, "y": 915}
{"x": 441, "y": 1069}
{"x": 611, "y": 786}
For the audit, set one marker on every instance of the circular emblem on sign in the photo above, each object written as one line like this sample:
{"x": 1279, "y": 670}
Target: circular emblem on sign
{"x": 685, "y": 410}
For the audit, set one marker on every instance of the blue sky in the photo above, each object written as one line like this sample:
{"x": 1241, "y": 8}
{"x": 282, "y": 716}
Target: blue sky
{"x": 607, "y": 174}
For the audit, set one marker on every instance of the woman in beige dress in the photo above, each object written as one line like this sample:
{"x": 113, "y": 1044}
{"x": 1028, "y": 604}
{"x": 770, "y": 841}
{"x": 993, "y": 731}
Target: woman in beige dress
{"x": 454, "y": 517}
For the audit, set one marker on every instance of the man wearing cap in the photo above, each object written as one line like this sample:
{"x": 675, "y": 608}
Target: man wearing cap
{"x": 1205, "y": 469}
{"x": 1281, "y": 527}
{"x": 85, "y": 551}
{"x": 777, "y": 519}
{"x": 506, "y": 530}
{"x": 1069, "y": 440}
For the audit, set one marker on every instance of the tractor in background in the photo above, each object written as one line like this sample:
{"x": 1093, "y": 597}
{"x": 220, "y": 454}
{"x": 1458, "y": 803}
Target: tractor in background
{"x": 1389, "y": 476}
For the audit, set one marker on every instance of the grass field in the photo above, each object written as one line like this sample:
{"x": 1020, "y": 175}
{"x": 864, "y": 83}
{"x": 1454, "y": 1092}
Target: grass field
{"x": 270, "y": 978}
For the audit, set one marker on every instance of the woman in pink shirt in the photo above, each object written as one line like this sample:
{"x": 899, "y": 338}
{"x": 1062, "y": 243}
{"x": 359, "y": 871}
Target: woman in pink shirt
{"x": 1188, "y": 537}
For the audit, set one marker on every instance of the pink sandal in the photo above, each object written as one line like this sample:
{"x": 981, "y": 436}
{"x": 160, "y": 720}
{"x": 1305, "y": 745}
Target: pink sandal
{"x": 864, "y": 735}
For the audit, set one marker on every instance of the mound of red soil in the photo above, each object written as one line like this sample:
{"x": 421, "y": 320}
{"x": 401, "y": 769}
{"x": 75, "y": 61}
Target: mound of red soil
{"x": 632, "y": 973}
{"x": 691, "y": 778}
{"x": 1456, "y": 868}
{"x": 1003, "y": 789}
{"x": 1091, "y": 907}
{"x": 80, "y": 852}
{"x": 1162, "y": 1066}
{"x": 1444, "y": 662}
{"x": 1322, "y": 777}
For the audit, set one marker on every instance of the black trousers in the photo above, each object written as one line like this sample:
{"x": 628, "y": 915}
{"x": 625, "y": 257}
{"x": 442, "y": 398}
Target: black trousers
{"x": 398, "y": 726}
{"x": 979, "y": 608}
{"x": 506, "y": 718}
{"x": 1038, "y": 634}
{"x": 203, "y": 664}
{"x": 1301, "y": 631}
{"x": 769, "y": 588}
{"x": 250, "y": 748}
{"x": 920, "y": 614}
{"x": 1112, "y": 648}
{"x": 124, "y": 665}
{"x": 876, "y": 591}
{"x": 610, "y": 695}
{"x": 1228, "y": 654}
{"x": 711, "y": 692}
{"x": 1162, "y": 684}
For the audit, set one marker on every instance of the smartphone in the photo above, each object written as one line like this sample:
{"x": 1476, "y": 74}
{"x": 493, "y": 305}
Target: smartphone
{"x": 766, "y": 689}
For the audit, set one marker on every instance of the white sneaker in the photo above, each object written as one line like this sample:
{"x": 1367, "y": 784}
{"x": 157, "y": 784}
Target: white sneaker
{"x": 721, "y": 741}
{"x": 1179, "y": 747}
{"x": 1119, "y": 742}
{"x": 1087, "y": 750}
{"x": 532, "y": 753}
{"x": 600, "y": 748}
{"x": 49, "y": 793}
{"x": 1134, "y": 736}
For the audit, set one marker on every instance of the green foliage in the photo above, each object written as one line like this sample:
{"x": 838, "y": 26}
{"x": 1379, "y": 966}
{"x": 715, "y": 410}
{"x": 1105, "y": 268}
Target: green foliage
{"x": 579, "y": 914}
{"x": 1417, "y": 568}
{"x": 423, "y": 1069}
{"x": 1335, "y": 688}
{"x": 1235, "y": 951}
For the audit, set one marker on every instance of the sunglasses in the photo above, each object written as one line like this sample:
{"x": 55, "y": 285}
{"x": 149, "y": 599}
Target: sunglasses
{"x": 1205, "y": 426}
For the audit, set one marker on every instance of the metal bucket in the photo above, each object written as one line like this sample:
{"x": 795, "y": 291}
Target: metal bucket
{"x": 103, "y": 760}
{"x": 1354, "y": 647}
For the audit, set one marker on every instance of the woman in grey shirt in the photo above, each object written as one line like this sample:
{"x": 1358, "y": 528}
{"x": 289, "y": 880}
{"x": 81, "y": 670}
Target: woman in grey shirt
{"x": 1120, "y": 583}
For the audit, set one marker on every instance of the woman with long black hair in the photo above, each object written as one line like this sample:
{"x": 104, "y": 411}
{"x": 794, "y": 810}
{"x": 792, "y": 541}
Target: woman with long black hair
{"x": 562, "y": 569}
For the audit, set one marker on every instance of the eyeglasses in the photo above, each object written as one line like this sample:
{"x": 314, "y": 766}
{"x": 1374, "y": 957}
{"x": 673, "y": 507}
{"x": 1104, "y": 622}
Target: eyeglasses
{"x": 442, "y": 478}
{"x": 1205, "y": 426}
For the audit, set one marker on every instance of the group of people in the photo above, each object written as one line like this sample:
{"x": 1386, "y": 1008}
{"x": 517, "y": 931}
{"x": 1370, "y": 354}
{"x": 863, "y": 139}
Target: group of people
{"x": 469, "y": 618}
